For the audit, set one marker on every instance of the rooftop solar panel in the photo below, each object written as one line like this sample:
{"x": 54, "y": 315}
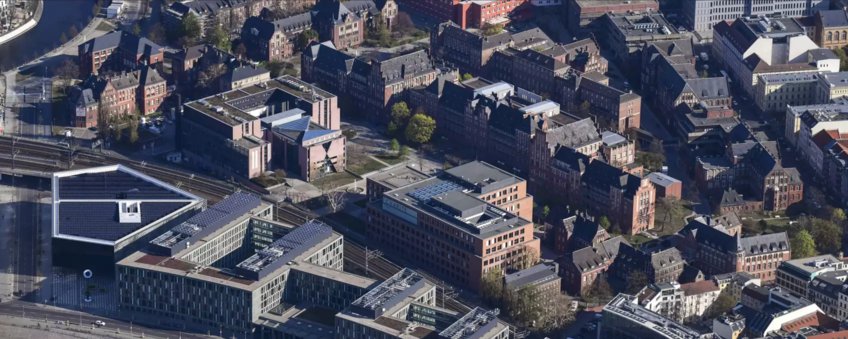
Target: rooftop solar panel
{"x": 427, "y": 192}
{"x": 99, "y": 220}
{"x": 113, "y": 185}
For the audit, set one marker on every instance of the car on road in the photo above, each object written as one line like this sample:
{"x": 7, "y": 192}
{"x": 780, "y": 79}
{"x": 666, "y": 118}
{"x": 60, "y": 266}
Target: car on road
{"x": 100, "y": 323}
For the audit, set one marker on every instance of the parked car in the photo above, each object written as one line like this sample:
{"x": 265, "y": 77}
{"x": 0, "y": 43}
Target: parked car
{"x": 99, "y": 323}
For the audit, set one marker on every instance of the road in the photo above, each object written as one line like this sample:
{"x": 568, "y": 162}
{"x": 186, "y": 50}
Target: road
{"x": 80, "y": 320}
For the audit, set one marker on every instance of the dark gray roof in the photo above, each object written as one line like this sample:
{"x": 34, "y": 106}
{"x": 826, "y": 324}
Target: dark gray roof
{"x": 536, "y": 275}
{"x": 833, "y": 18}
{"x": 405, "y": 66}
{"x": 246, "y": 71}
{"x": 709, "y": 88}
{"x": 566, "y": 158}
{"x": 482, "y": 177}
{"x": 606, "y": 176}
{"x": 99, "y": 220}
{"x": 765, "y": 243}
{"x": 589, "y": 258}
{"x": 113, "y": 185}
{"x": 125, "y": 40}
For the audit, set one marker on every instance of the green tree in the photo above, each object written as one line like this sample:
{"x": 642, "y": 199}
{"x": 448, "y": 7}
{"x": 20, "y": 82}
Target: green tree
{"x": 604, "y": 222}
{"x": 467, "y": 76}
{"x": 305, "y": 37}
{"x": 190, "y": 29}
{"x": 400, "y": 114}
{"x": 827, "y": 236}
{"x": 723, "y": 303}
{"x": 843, "y": 59}
{"x": 420, "y": 128}
{"x": 636, "y": 280}
{"x": 491, "y": 289}
{"x": 157, "y": 34}
{"x": 394, "y": 145}
{"x": 491, "y": 29}
{"x": 136, "y": 29}
{"x": 802, "y": 245}
{"x": 558, "y": 315}
{"x": 837, "y": 216}
{"x": 404, "y": 151}
{"x": 218, "y": 37}
{"x": 545, "y": 212}
{"x": 392, "y": 129}
{"x": 650, "y": 160}
{"x": 669, "y": 214}
{"x": 523, "y": 306}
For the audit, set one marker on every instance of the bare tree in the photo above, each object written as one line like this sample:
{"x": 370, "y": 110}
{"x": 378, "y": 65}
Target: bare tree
{"x": 529, "y": 256}
{"x": 335, "y": 199}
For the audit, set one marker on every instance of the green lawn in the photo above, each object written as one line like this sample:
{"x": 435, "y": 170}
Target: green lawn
{"x": 637, "y": 239}
{"x": 365, "y": 165}
{"x": 391, "y": 159}
{"x": 334, "y": 180}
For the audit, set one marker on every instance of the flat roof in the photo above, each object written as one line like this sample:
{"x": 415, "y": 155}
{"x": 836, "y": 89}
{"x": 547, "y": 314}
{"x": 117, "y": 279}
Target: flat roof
{"x": 398, "y": 176}
{"x": 104, "y": 205}
{"x": 662, "y": 179}
{"x": 450, "y": 202}
{"x": 245, "y": 104}
{"x": 782, "y": 78}
{"x": 484, "y": 177}
{"x": 226, "y": 276}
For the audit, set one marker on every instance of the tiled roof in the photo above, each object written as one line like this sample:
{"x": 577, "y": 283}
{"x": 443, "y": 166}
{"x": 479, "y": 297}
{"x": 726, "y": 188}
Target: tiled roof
{"x": 699, "y": 287}
{"x": 833, "y": 18}
{"x": 603, "y": 175}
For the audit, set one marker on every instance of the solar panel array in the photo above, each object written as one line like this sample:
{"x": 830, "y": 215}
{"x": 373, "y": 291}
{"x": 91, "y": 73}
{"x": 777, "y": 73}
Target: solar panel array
{"x": 388, "y": 293}
{"x": 113, "y": 185}
{"x": 210, "y": 220}
{"x": 99, "y": 220}
{"x": 427, "y": 192}
{"x": 284, "y": 250}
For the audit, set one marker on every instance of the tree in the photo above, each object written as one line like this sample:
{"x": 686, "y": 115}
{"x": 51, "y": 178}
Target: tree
{"x": 403, "y": 22}
{"x": 599, "y": 292}
{"x": 400, "y": 114}
{"x": 67, "y": 71}
{"x": 394, "y": 145}
{"x": 275, "y": 67}
{"x": 802, "y": 245}
{"x": 636, "y": 280}
{"x": 335, "y": 199}
{"x": 669, "y": 212}
{"x": 305, "y": 37}
{"x": 827, "y": 236}
{"x": 558, "y": 315}
{"x": 157, "y": 33}
{"x": 604, "y": 222}
{"x": 491, "y": 29}
{"x": 491, "y": 289}
{"x": 207, "y": 80}
{"x": 136, "y": 29}
{"x": 585, "y": 108}
{"x": 132, "y": 138}
{"x": 190, "y": 29}
{"x": 523, "y": 306}
{"x": 467, "y": 76}
{"x": 843, "y": 59}
{"x": 241, "y": 50}
{"x": 650, "y": 160}
{"x": 723, "y": 303}
{"x": 63, "y": 38}
{"x": 528, "y": 257}
{"x": 404, "y": 151}
{"x": 392, "y": 129}
{"x": 420, "y": 128}
{"x": 545, "y": 211}
{"x": 218, "y": 38}
{"x": 380, "y": 33}
{"x": 837, "y": 215}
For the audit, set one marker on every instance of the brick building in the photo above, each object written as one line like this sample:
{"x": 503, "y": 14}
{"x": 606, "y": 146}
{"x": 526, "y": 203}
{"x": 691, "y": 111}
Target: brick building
{"x": 611, "y": 107}
{"x": 224, "y": 133}
{"x": 582, "y": 268}
{"x": 471, "y": 14}
{"x": 760, "y": 255}
{"x": 471, "y": 51}
{"x": 626, "y": 199}
{"x": 138, "y": 92}
{"x": 663, "y": 266}
{"x": 117, "y": 51}
{"x": 228, "y": 14}
{"x": 667, "y": 187}
{"x": 369, "y": 85}
{"x": 582, "y": 13}
{"x": 466, "y": 235}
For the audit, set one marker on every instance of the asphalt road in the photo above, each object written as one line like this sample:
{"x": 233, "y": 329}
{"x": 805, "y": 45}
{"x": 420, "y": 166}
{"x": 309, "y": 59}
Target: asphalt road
{"x": 73, "y": 320}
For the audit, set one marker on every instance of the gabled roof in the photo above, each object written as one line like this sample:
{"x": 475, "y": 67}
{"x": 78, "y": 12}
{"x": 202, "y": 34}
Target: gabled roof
{"x": 833, "y": 18}
{"x": 606, "y": 176}
{"x": 568, "y": 159}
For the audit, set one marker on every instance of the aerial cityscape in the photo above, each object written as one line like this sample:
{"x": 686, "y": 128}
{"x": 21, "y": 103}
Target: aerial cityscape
{"x": 454, "y": 169}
